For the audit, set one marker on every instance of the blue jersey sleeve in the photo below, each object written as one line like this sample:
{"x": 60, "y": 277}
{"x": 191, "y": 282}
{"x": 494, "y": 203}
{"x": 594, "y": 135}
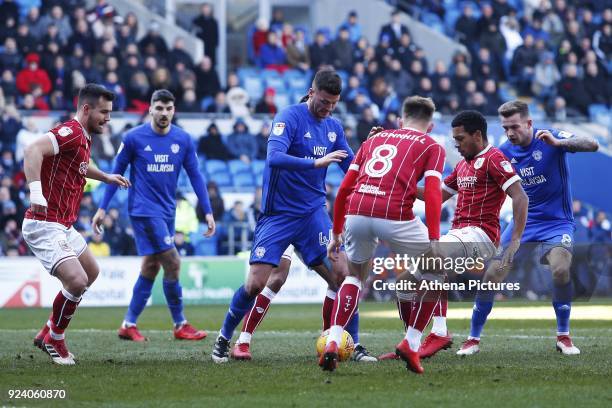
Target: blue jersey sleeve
{"x": 281, "y": 137}
{"x": 342, "y": 144}
{"x": 190, "y": 163}
{"x": 123, "y": 159}
{"x": 562, "y": 134}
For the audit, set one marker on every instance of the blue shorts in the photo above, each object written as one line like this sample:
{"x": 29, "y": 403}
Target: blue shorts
{"x": 308, "y": 234}
{"x": 548, "y": 234}
{"x": 153, "y": 235}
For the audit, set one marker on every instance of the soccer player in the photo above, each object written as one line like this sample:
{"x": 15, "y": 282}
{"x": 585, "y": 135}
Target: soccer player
{"x": 275, "y": 282}
{"x": 380, "y": 187}
{"x": 156, "y": 152}
{"x": 304, "y": 141}
{"x": 539, "y": 155}
{"x": 56, "y": 166}
{"x": 481, "y": 182}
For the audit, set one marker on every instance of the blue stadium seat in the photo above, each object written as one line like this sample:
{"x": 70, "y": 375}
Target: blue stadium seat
{"x": 254, "y": 86}
{"x": 272, "y": 79}
{"x": 244, "y": 180}
{"x": 258, "y": 167}
{"x": 296, "y": 80}
{"x": 222, "y": 179}
{"x": 238, "y": 167}
{"x": 282, "y": 100}
{"x": 214, "y": 167}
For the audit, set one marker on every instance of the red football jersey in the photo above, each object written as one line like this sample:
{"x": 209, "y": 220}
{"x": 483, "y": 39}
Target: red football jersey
{"x": 63, "y": 175}
{"x": 481, "y": 184}
{"x": 390, "y": 164}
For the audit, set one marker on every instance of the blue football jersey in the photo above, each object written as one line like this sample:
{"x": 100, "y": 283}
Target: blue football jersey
{"x": 156, "y": 161}
{"x": 299, "y": 192}
{"x": 545, "y": 177}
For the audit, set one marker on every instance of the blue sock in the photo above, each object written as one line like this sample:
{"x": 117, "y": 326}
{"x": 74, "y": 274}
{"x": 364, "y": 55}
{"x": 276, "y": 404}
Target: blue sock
{"x": 482, "y": 307}
{"x": 353, "y": 327}
{"x": 140, "y": 295}
{"x": 240, "y": 305}
{"x": 562, "y": 303}
{"x": 174, "y": 300}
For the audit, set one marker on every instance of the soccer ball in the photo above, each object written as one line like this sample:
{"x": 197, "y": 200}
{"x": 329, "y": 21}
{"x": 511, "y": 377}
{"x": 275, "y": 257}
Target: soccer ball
{"x": 345, "y": 348}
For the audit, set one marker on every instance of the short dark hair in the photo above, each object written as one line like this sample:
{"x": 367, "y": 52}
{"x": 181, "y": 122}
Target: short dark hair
{"x": 513, "y": 107}
{"x": 162, "y": 95}
{"x": 90, "y": 94}
{"x": 471, "y": 121}
{"x": 419, "y": 108}
{"x": 328, "y": 80}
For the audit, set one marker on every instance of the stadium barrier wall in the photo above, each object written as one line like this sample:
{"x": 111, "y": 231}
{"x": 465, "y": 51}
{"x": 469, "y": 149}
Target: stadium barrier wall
{"x": 205, "y": 280}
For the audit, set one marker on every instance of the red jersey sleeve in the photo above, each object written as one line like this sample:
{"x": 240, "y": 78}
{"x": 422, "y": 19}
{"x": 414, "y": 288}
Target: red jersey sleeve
{"x": 500, "y": 170}
{"x": 434, "y": 163}
{"x": 450, "y": 182}
{"x": 65, "y": 138}
{"x": 348, "y": 183}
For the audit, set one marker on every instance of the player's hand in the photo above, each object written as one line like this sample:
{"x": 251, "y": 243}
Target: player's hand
{"x": 548, "y": 138}
{"x": 96, "y": 221}
{"x": 333, "y": 157}
{"x": 118, "y": 179}
{"x": 375, "y": 130}
{"x": 333, "y": 248}
{"x": 211, "y": 226}
{"x": 509, "y": 253}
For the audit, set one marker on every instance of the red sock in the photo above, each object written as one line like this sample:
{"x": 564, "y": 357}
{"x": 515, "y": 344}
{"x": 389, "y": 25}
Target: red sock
{"x": 346, "y": 301}
{"x": 405, "y": 310}
{"x": 258, "y": 311}
{"x": 64, "y": 306}
{"x": 328, "y": 306}
{"x": 423, "y": 308}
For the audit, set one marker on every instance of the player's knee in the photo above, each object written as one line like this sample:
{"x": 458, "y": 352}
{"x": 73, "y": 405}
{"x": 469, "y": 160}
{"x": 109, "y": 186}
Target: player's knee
{"x": 77, "y": 284}
{"x": 560, "y": 274}
{"x": 253, "y": 287}
{"x": 276, "y": 282}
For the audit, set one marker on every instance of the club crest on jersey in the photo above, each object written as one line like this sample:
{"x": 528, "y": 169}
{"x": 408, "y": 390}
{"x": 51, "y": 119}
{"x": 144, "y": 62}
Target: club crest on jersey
{"x": 564, "y": 134}
{"x": 506, "y": 166}
{"x": 64, "y": 131}
{"x": 537, "y": 155}
{"x": 175, "y": 148}
{"x": 278, "y": 128}
{"x": 479, "y": 162}
{"x": 566, "y": 240}
{"x": 331, "y": 136}
{"x": 260, "y": 252}
{"x": 83, "y": 168}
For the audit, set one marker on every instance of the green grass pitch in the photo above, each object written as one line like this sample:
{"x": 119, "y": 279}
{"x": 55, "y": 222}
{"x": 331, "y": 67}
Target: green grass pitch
{"x": 517, "y": 365}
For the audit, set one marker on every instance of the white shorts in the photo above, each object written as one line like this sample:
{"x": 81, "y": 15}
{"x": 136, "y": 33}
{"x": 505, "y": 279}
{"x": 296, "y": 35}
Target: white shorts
{"x": 361, "y": 235}
{"x": 52, "y": 243}
{"x": 467, "y": 242}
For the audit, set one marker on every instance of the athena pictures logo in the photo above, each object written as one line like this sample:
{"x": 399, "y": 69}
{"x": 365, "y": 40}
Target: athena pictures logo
{"x": 260, "y": 252}
{"x": 83, "y": 168}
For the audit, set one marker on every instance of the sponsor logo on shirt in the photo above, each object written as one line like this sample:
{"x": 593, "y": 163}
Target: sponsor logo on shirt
{"x": 537, "y": 155}
{"x": 175, "y": 148}
{"x": 331, "y": 136}
{"x": 467, "y": 182}
{"x": 506, "y": 166}
{"x": 370, "y": 189}
{"x": 278, "y": 128}
{"x": 64, "y": 131}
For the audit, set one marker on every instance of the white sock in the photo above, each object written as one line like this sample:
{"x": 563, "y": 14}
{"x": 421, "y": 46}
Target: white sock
{"x": 244, "y": 338}
{"x": 562, "y": 333}
{"x": 473, "y": 338}
{"x": 335, "y": 334}
{"x": 439, "y": 326}
{"x": 56, "y": 336}
{"x": 127, "y": 324}
{"x": 413, "y": 336}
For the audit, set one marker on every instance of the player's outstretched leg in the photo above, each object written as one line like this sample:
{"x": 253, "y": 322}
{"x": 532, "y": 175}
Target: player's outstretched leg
{"x": 241, "y": 304}
{"x": 38, "y": 339}
{"x": 140, "y": 296}
{"x": 560, "y": 260}
{"x": 439, "y": 338}
{"x": 408, "y": 349}
{"x": 345, "y": 305}
{"x": 241, "y": 350}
